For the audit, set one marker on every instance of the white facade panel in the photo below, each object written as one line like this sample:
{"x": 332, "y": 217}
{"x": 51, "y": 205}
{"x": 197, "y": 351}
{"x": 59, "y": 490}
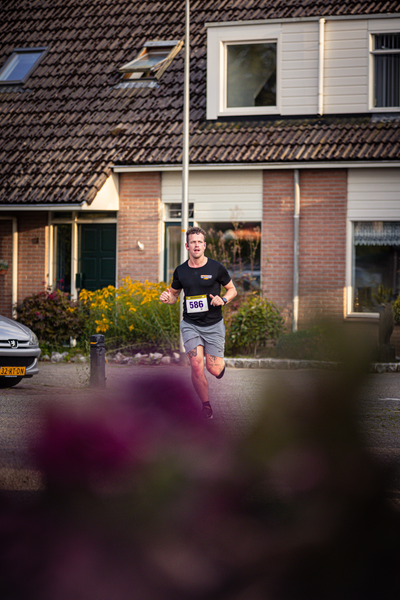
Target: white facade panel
{"x": 345, "y": 71}
{"x": 373, "y": 194}
{"x": 384, "y": 25}
{"x": 218, "y": 196}
{"x": 347, "y": 64}
{"x": 299, "y": 58}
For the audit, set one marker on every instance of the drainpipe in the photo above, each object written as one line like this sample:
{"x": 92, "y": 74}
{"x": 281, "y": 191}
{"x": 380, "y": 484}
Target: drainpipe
{"x": 321, "y": 50}
{"x": 50, "y": 253}
{"x": 296, "y": 216}
{"x": 74, "y": 255}
{"x": 14, "y": 281}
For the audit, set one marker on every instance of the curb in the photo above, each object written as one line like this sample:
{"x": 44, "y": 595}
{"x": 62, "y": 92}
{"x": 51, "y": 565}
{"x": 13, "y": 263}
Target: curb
{"x": 291, "y": 364}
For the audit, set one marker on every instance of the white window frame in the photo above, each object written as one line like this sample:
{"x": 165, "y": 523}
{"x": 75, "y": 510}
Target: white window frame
{"x": 377, "y": 31}
{"x": 217, "y": 40}
{"x": 350, "y": 258}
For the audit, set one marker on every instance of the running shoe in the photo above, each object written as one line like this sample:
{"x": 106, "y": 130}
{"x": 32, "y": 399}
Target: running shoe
{"x": 220, "y": 376}
{"x": 206, "y": 411}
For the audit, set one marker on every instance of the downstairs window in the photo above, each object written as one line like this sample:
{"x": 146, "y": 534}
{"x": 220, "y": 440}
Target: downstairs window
{"x": 376, "y": 264}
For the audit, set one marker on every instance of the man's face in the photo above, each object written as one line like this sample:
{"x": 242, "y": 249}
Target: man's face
{"x": 196, "y": 245}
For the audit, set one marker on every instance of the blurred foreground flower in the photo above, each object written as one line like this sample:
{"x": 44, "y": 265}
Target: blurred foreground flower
{"x": 144, "y": 500}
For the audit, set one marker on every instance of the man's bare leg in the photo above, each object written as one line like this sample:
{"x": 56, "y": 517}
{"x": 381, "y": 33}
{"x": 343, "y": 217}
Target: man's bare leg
{"x": 215, "y": 364}
{"x": 199, "y": 380}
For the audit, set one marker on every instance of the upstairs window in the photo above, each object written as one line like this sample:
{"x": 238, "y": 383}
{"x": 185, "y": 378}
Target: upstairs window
{"x": 152, "y": 60}
{"x": 386, "y": 54}
{"x": 20, "y": 65}
{"x": 251, "y": 75}
{"x": 243, "y": 69}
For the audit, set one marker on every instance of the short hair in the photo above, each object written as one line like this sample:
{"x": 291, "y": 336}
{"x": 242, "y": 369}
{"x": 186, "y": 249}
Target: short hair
{"x": 195, "y": 230}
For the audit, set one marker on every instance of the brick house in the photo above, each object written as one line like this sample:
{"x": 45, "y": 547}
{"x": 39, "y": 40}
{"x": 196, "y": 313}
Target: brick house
{"x": 295, "y": 120}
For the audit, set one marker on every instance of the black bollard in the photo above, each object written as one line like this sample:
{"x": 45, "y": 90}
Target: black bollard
{"x": 97, "y": 361}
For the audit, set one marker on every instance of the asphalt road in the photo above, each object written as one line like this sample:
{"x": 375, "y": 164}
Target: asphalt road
{"x": 237, "y": 399}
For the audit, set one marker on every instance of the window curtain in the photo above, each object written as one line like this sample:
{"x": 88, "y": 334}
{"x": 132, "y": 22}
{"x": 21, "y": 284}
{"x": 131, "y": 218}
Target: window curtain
{"x": 376, "y": 233}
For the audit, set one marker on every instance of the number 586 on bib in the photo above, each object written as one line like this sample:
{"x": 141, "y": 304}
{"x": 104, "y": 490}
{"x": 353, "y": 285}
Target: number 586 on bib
{"x": 195, "y": 304}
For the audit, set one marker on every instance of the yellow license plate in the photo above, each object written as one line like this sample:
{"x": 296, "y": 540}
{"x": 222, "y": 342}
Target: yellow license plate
{"x": 12, "y": 371}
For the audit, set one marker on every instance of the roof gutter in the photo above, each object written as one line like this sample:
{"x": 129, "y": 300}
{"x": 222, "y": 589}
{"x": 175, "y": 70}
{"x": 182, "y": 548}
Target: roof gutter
{"x": 53, "y": 207}
{"x": 256, "y": 166}
{"x": 14, "y": 282}
{"x": 301, "y": 19}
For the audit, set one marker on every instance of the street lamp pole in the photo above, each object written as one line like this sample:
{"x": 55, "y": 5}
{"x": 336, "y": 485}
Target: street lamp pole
{"x": 185, "y": 151}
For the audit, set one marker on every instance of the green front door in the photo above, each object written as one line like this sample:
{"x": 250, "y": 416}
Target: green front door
{"x": 97, "y": 255}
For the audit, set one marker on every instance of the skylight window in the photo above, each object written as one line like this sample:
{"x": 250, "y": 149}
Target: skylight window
{"x": 20, "y": 65}
{"x": 152, "y": 60}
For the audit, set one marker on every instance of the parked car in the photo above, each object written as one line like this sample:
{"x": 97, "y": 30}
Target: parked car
{"x": 19, "y": 352}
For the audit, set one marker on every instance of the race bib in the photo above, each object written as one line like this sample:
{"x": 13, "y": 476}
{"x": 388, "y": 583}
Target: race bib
{"x": 195, "y": 304}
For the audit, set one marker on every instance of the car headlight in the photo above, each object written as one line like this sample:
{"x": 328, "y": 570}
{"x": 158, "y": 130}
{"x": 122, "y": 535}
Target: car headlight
{"x": 33, "y": 341}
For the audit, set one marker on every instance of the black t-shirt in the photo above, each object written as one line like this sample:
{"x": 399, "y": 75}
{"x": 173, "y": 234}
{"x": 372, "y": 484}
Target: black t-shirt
{"x": 197, "y": 283}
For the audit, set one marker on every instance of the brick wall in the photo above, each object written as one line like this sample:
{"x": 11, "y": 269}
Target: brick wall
{"x": 277, "y": 239}
{"x": 139, "y": 219}
{"x": 32, "y": 253}
{"x": 322, "y": 246}
{"x": 322, "y": 253}
{"x": 6, "y": 279}
{"x": 32, "y": 257}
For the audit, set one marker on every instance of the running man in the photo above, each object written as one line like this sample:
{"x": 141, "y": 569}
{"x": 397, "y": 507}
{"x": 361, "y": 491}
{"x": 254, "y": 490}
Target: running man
{"x": 202, "y": 327}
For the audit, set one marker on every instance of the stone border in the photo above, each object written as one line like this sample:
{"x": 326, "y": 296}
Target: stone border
{"x": 281, "y": 363}
{"x": 235, "y": 363}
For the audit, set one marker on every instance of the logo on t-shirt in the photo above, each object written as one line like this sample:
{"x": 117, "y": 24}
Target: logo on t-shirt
{"x": 206, "y": 276}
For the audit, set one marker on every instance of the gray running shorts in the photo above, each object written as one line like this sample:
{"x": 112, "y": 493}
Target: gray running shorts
{"x": 211, "y": 337}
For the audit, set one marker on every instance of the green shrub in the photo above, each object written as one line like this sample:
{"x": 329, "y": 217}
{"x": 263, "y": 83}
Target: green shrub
{"x": 307, "y": 344}
{"x": 52, "y": 316}
{"x": 256, "y": 321}
{"x": 396, "y": 309}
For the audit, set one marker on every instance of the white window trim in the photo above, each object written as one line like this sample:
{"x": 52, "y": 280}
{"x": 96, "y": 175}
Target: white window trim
{"x": 349, "y": 268}
{"x": 371, "y": 72}
{"x": 217, "y": 38}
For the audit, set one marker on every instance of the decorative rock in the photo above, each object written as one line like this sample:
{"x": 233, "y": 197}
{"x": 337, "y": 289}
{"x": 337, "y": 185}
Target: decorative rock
{"x": 176, "y": 357}
{"x": 45, "y": 357}
{"x": 56, "y": 357}
{"x": 156, "y": 356}
{"x": 166, "y": 360}
{"x": 119, "y": 357}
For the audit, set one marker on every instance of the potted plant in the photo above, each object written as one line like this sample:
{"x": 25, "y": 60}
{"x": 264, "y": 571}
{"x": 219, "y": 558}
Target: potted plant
{"x": 3, "y": 266}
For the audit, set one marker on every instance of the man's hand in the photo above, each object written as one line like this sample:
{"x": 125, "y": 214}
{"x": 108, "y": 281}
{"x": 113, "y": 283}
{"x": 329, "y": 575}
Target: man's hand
{"x": 166, "y": 296}
{"x": 170, "y": 296}
{"x": 216, "y": 300}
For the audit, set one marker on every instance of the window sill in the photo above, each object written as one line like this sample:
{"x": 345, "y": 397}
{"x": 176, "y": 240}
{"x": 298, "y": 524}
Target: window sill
{"x": 248, "y": 112}
{"x": 373, "y": 316}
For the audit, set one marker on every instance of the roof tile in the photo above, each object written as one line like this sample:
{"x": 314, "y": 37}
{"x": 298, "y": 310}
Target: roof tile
{"x": 61, "y": 131}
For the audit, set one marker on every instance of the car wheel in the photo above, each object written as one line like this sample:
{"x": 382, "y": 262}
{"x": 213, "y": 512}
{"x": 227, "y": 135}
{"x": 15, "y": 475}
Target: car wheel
{"x": 7, "y": 382}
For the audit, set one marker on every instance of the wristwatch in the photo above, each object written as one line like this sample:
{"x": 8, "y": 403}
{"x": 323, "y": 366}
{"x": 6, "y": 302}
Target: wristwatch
{"x": 225, "y": 300}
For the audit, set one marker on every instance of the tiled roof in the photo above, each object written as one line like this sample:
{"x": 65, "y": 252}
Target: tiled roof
{"x": 63, "y": 130}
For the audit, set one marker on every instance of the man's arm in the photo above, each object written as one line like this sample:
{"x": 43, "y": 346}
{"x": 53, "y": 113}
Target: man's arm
{"x": 231, "y": 293}
{"x": 170, "y": 296}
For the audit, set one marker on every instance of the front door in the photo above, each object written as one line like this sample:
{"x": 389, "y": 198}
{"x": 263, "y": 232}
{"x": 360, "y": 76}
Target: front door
{"x": 97, "y": 255}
